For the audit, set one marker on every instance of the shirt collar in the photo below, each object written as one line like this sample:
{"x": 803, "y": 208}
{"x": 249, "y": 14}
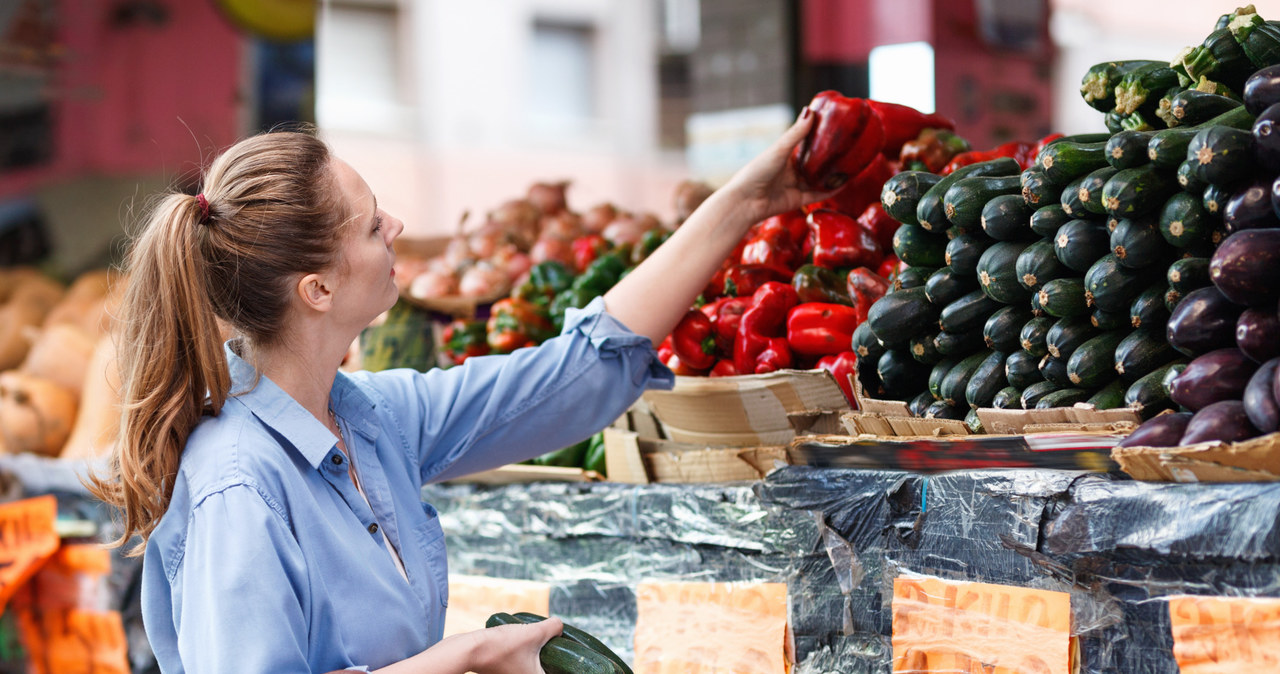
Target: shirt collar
{"x": 285, "y": 417}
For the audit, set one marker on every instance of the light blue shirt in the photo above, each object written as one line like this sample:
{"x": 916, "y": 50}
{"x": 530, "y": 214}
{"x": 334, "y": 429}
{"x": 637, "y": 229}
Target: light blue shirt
{"x": 269, "y": 561}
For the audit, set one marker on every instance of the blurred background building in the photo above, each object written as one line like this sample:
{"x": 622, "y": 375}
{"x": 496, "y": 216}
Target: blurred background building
{"x": 452, "y": 107}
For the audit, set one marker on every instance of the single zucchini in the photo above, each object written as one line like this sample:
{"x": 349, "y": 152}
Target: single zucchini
{"x": 1187, "y": 178}
{"x": 918, "y": 405}
{"x": 963, "y": 252}
{"x": 1032, "y": 394}
{"x": 919, "y": 247}
{"x": 1192, "y": 106}
{"x": 968, "y": 313}
{"x": 1109, "y": 320}
{"x": 1189, "y": 273}
{"x": 1064, "y": 297}
{"x": 1137, "y": 243}
{"x": 574, "y": 634}
{"x": 1168, "y": 148}
{"x": 940, "y": 370}
{"x": 1034, "y": 335}
{"x": 1067, "y": 335}
{"x": 1037, "y": 263}
{"x": 1148, "y": 312}
{"x": 866, "y": 346}
{"x": 1148, "y": 392}
{"x": 1184, "y": 222}
{"x": 901, "y": 194}
{"x": 1219, "y": 58}
{"x": 1055, "y": 370}
{"x": 899, "y": 316}
{"x": 998, "y": 272}
{"x": 562, "y": 655}
{"x": 1070, "y": 199}
{"x": 964, "y": 201}
{"x": 1137, "y": 191}
{"x": 973, "y": 422}
{"x": 986, "y": 381}
{"x": 958, "y": 344}
{"x": 1222, "y": 155}
{"x": 1001, "y": 331}
{"x": 1127, "y": 149}
{"x": 1141, "y": 352}
{"x": 1080, "y": 243}
{"x": 924, "y": 349}
{"x": 945, "y": 286}
{"x": 1063, "y": 162}
{"x": 1091, "y": 189}
{"x": 1037, "y": 190}
{"x": 1046, "y": 220}
{"x": 1140, "y": 83}
{"x": 911, "y": 277}
{"x": 1063, "y": 397}
{"x": 957, "y": 378}
{"x": 930, "y": 213}
{"x": 1007, "y": 218}
{"x": 1022, "y": 369}
{"x": 1008, "y": 398}
{"x": 902, "y": 375}
{"x": 1110, "y": 396}
{"x": 1093, "y": 364}
{"x": 942, "y": 409}
{"x": 1111, "y": 286}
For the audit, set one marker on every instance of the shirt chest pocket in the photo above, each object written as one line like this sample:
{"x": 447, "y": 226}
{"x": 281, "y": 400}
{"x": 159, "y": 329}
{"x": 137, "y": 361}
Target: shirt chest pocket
{"x": 429, "y": 538}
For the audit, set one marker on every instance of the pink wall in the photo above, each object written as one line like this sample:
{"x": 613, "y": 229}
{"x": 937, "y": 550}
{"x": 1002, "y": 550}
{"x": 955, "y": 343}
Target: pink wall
{"x": 845, "y": 31}
{"x": 139, "y": 97}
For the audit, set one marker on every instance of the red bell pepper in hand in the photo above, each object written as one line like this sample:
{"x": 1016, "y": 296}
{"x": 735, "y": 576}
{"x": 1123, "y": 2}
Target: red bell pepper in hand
{"x": 902, "y": 123}
{"x": 821, "y": 329}
{"x": 586, "y": 249}
{"x": 881, "y": 225}
{"x": 693, "y": 340}
{"x": 931, "y": 150}
{"x": 841, "y": 242}
{"x": 860, "y": 192}
{"x": 846, "y": 135}
{"x": 840, "y": 366}
{"x": 865, "y": 287}
{"x": 764, "y": 321}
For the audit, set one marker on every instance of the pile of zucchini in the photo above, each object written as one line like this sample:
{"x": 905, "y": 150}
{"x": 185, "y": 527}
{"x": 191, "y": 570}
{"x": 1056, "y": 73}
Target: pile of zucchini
{"x": 1057, "y": 284}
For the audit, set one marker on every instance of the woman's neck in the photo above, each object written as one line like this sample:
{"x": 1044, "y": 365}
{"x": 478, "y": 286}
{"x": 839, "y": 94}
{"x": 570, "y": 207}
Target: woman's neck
{"x": 304, "y": 367}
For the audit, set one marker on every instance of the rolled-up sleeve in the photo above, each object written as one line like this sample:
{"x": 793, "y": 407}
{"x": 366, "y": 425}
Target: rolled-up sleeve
{"x": 495, "y": 410}
{"x": 239, "y": 593}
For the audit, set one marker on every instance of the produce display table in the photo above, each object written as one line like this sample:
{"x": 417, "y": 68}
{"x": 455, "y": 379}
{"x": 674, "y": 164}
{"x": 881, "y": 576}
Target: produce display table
{"x": 838, "y": 538}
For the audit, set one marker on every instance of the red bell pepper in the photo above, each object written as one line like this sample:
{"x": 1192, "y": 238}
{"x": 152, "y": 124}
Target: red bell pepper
{"x": 1016, "y": 149}
{"x": 725, "y": 314}
{"x": 842, "y": 242}
{"x": 931, "y": 150}
{"x": 694, "y": 341}
{"x": 846, "y": 135}
{"x": 862, "y": 191}
{"x": 723, "y": 368}
{"x": 888, "y": 266}
{"x": 865, "y": 287}
{"x": 586, "y": 249}
{"x": 463, "y": 339}
{"x": 1043, "y": 143}
{"x": 668, "y": 357}
{"x": 881, "y": 225}
{"x": 821, "y": 329}
{"x": 777, "y": 241}
{"x": 742, "y": 280}
{"x": 765, "y": 320}
{"x": 902, "y": 123}
{"x": 515, "y": 323}
{"x": 775, "y": 356}
{"x": 841, "y": 366}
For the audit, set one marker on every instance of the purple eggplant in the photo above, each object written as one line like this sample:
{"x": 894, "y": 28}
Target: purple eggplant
{"x": 1246, "y": 267}
{"x": 1259, "y": 401}
{"x": 1266, "y": 139}
{"x": 1215, "y": 376}
{"x": 1203, "y": 321}
{"x": 1223, "y": 421}
{"x": 1258, "y": 334}
{"x": 1251, "y": 205}
{"x": 1262, "y": 90}
{"x": 1165, "y": 430}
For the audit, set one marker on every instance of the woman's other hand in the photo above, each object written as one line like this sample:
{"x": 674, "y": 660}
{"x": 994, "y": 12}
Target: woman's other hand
{"x": 514, "y": 649}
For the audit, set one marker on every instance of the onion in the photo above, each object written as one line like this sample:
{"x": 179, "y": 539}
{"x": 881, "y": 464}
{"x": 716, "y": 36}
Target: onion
{"x": 519, "y": 218}
{"x": 565, "y": 224}
{"x": 629, "y": 229}
{"x": 433, "y": 283}
{"x": 688, "y": 196}
{"x": 598, "y": 217}
{"x": 552, "y": 248}
{"x": 548, "y": 197}
{"x": 482, "y": 280}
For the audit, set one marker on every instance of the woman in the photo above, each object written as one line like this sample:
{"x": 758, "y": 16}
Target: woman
{"x": 277, "y": 499}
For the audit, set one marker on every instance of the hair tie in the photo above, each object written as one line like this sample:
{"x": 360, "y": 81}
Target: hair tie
{"x": 204, "y": 208}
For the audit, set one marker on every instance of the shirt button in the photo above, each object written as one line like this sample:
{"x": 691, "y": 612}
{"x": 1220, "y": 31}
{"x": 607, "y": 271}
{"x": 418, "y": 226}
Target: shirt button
{"x": 337, "y": 459}
{"x": 373, "y": 528}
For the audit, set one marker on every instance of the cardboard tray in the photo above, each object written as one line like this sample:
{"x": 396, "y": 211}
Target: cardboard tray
{"x": 746, "y": 410}
{"x": 634, "y": 459}
{"x": 1255, "y": 460}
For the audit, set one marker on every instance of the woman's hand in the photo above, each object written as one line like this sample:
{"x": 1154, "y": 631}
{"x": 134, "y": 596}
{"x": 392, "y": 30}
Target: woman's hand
{"x": 769, "y": 184}
{"x": 513, "y": 649}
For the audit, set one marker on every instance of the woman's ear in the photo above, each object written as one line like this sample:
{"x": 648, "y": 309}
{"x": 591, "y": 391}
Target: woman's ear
{"x": 316, "y": 292}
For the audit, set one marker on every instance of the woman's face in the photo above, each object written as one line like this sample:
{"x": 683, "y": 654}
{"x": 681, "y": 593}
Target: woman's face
{"x": 366, "y": 279}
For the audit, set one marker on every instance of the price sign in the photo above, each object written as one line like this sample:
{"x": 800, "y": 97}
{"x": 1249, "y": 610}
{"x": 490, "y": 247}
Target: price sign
{"x": 1225, "y": 635}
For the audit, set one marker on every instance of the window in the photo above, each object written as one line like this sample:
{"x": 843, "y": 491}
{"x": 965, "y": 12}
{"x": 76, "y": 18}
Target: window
{"x": 358, "y": 70}
{"x": 562, "y": 96}
{"x": 903, "y": 74}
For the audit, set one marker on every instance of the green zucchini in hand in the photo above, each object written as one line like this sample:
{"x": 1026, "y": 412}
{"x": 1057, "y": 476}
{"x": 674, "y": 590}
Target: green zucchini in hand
{"x": 563, "y": 655}
{"x": 901, "y": 194}
{"x": 574, "y": 634}
{"x": 930, "y": 212}
{"x": 1037, "y": 263}
{"x": 1183, "y": 220}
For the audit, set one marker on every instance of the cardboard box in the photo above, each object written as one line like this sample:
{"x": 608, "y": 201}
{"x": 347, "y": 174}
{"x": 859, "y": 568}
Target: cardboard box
{"x": 1255, "y": 460}
{"x": 634, "y": 459}
{"x": 743, "y": 411}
